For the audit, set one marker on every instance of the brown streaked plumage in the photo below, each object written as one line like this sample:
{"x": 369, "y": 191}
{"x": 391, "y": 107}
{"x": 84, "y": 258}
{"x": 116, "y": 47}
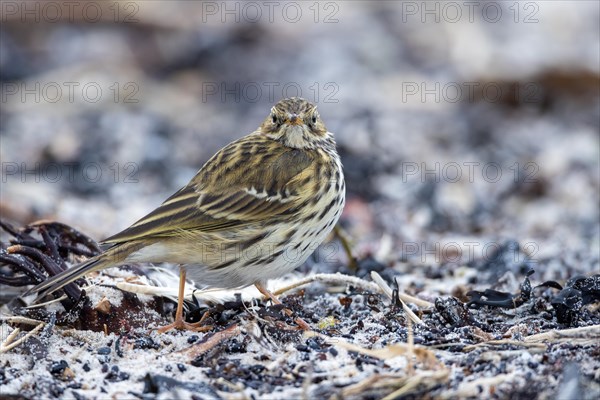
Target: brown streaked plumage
{"x": 256, "y": 210}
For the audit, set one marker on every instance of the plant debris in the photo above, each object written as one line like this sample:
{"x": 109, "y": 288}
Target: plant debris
{"x": 42, "y": 250}
{"x": 495, "y": 298}
{"x": 578, "y": 292}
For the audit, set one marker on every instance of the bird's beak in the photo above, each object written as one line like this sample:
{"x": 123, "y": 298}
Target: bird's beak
{"x": 294, "y": 120}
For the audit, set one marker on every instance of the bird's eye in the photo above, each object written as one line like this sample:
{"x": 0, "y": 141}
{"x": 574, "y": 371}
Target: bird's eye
{"x": 314, "y": 118}
{"x": 274, "y": 118}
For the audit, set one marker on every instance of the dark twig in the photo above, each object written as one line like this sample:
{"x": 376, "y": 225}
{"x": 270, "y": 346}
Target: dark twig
{"x": 343, "y": 238}
{"x": 15, "y": 281}
{"x": 9, "y": 228}
{"x": 52, "y": 248}
{"x": 51, "y": 267}
{"x": 24, "y": 265}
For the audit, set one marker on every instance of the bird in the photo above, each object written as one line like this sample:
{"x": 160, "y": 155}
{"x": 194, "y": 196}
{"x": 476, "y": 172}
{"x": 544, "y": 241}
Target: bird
{"x": 255, "y": 211}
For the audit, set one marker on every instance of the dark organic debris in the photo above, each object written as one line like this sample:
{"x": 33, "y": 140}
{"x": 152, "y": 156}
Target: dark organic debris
{"x": 567, "y": 303}
{"x": 58, "y": 367}
{"x": 41, "y": 250}
{"x": 578, "y": 292}
{"x": 115, "y": 375}
{"x": 454, "y": 312}
{"x": 145, "y": 342}
{"x": 155, "y": 384}
{"x": 130, "y": 314}
{"x": 37, "y": 346}
{"x": 218, "y": 314}
{"x": 495, "y": 298}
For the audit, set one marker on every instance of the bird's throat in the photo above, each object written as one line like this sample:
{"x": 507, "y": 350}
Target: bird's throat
{"x": 294, "y": 137}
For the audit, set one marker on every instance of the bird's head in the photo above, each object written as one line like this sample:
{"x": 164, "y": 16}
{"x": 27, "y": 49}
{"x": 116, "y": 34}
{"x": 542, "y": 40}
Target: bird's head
{"x": 296, "y": 123}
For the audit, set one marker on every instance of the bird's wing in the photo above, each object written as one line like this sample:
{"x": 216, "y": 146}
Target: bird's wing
{"x": 243, "y": 183}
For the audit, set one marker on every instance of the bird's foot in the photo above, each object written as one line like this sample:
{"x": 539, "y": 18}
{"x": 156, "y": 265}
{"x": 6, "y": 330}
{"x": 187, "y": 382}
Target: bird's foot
{"x": 184, "y": 326}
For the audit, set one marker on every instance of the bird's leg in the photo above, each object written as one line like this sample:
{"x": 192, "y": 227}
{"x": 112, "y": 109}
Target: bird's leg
{"x": 179, "y": 322}
{"x": 342, "y": 235}
{"x": 179, "y": 311}
{"x": 265, "y": 292}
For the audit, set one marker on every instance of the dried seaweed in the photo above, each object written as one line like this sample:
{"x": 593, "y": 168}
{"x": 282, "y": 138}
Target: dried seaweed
{"x": 495, "y": 298}
{"x": 568, "y": 303}
{"x": 157, "y": 384}
{"x": 578, "y": 292}
{"x": 40, "y": 250}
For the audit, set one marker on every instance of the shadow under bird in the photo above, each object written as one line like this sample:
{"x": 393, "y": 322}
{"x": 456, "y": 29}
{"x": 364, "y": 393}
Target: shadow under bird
{"x": 255, "y": 211}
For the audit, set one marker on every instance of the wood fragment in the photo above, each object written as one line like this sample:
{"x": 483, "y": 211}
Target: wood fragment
{"x": 103, "y": 306}
{"x": 582, "y": 333}
{"x": 8, "y": 347}
{"x": 211, "y": 341}
{"x": 377, "y": 381}
{"x": 10, "y": 338}
{"x": 331, "y": 278}
{"x": 17, "y": 319}
{"x": 503, "y": 342}
{"x": 421, "y": 381}
{"x": 475, "y": 388}
{"x": 421, "y": 353}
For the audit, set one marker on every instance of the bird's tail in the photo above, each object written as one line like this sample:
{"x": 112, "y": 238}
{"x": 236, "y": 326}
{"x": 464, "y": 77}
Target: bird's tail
{"x": 112, "y": 257}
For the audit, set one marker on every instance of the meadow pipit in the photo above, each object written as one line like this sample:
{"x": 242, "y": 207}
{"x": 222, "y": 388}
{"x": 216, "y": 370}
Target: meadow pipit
{"x": 256, "y": 210}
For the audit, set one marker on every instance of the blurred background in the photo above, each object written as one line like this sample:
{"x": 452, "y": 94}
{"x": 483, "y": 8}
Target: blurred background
{"x": 464, "y": 127}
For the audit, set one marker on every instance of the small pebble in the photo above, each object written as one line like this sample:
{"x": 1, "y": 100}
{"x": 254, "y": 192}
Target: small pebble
{"x": 58, "y": 367}
{"x": 104, "y": 350}
{"x": 118, "y": 348}
{"x": 115, "y": 376}
{"x": 192, "y": 339}
{"x": 75, "y": 385}
{"x": 257, "y": 369}
{"x": 181, "y": 367}
{"x": 302, "y": 348}
{"x": 145, "y": 342}
{"x": 237, "y": 347}
{"x": 313, "y": 344}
